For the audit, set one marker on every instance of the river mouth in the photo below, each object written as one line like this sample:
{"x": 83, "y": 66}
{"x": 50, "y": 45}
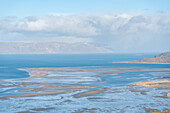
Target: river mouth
{"x": 85, "y": 89}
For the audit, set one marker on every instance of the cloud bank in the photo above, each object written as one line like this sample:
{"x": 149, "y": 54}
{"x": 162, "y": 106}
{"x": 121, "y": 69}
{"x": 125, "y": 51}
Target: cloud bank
{"x": 121, "y": 32}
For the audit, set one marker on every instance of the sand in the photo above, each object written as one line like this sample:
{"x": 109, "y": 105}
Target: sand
{"x": 90, "y": 92}
{"x": 141, "y": 62}
{"x": 55, "y": 88}
{"x": 163, "y": 84}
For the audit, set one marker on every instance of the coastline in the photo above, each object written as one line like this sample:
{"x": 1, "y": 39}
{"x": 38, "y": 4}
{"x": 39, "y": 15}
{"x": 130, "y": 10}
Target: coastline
{"x": 158, "y": 84}
{"x": 131, "y": 62}
{"x": 42, "y": 72}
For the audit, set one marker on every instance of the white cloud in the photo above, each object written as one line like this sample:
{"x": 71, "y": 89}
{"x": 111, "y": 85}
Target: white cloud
{"x": 113, "y": 30}
{"x": 58, "y": 24}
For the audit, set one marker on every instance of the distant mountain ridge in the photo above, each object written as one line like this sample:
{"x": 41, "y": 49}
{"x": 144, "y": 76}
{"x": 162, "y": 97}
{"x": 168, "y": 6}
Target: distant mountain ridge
{"x": 163, "y": 58}
{"x": 50, "y": 47}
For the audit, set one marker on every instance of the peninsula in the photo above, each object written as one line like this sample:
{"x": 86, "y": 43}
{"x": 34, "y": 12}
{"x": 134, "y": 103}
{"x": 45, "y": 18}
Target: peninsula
{"x": 163, "y": 58}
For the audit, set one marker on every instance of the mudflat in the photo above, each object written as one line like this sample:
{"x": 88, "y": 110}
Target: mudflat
{"x": 100, "y": 87}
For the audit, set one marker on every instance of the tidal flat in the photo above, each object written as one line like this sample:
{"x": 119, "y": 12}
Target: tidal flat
{"x": 82, "y": 89}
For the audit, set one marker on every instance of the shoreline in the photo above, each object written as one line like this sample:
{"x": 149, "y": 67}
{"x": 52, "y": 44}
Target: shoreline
{"x": 130, "y": 62}
{"x": 42, "y": 89}
{"x": 42, "y": 72}
{"x": 159, "y": 84}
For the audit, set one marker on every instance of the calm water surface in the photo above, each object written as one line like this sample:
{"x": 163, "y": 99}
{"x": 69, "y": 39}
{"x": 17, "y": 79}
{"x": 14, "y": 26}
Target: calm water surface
{"x": 10, "y": 63}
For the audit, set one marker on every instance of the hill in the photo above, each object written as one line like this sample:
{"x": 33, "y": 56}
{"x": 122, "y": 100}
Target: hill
{"x": 50, "y": 47}
{"x": 163, "y": 58}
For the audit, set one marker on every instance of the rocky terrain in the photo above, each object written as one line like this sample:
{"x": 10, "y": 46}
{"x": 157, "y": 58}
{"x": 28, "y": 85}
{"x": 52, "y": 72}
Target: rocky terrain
{"x": 50, "y": 47}
{"x": 163, "y": 58}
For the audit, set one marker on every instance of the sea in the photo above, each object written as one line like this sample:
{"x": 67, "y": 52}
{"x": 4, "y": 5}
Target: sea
{"x": 9, "y": 64}
{"x": 9, "y": 71}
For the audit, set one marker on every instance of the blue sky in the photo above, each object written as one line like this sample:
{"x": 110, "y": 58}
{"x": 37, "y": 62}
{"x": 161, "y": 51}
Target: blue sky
{"x": 22, "y": 8}
{"x": 122, "y": 25}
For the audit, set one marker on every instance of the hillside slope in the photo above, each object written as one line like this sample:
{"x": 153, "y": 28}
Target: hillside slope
{"x": 50, "y": 47}
{"x": 163, "y": 58}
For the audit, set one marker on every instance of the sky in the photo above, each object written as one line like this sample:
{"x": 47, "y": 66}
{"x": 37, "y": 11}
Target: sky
{"x": 134, "y": 26}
